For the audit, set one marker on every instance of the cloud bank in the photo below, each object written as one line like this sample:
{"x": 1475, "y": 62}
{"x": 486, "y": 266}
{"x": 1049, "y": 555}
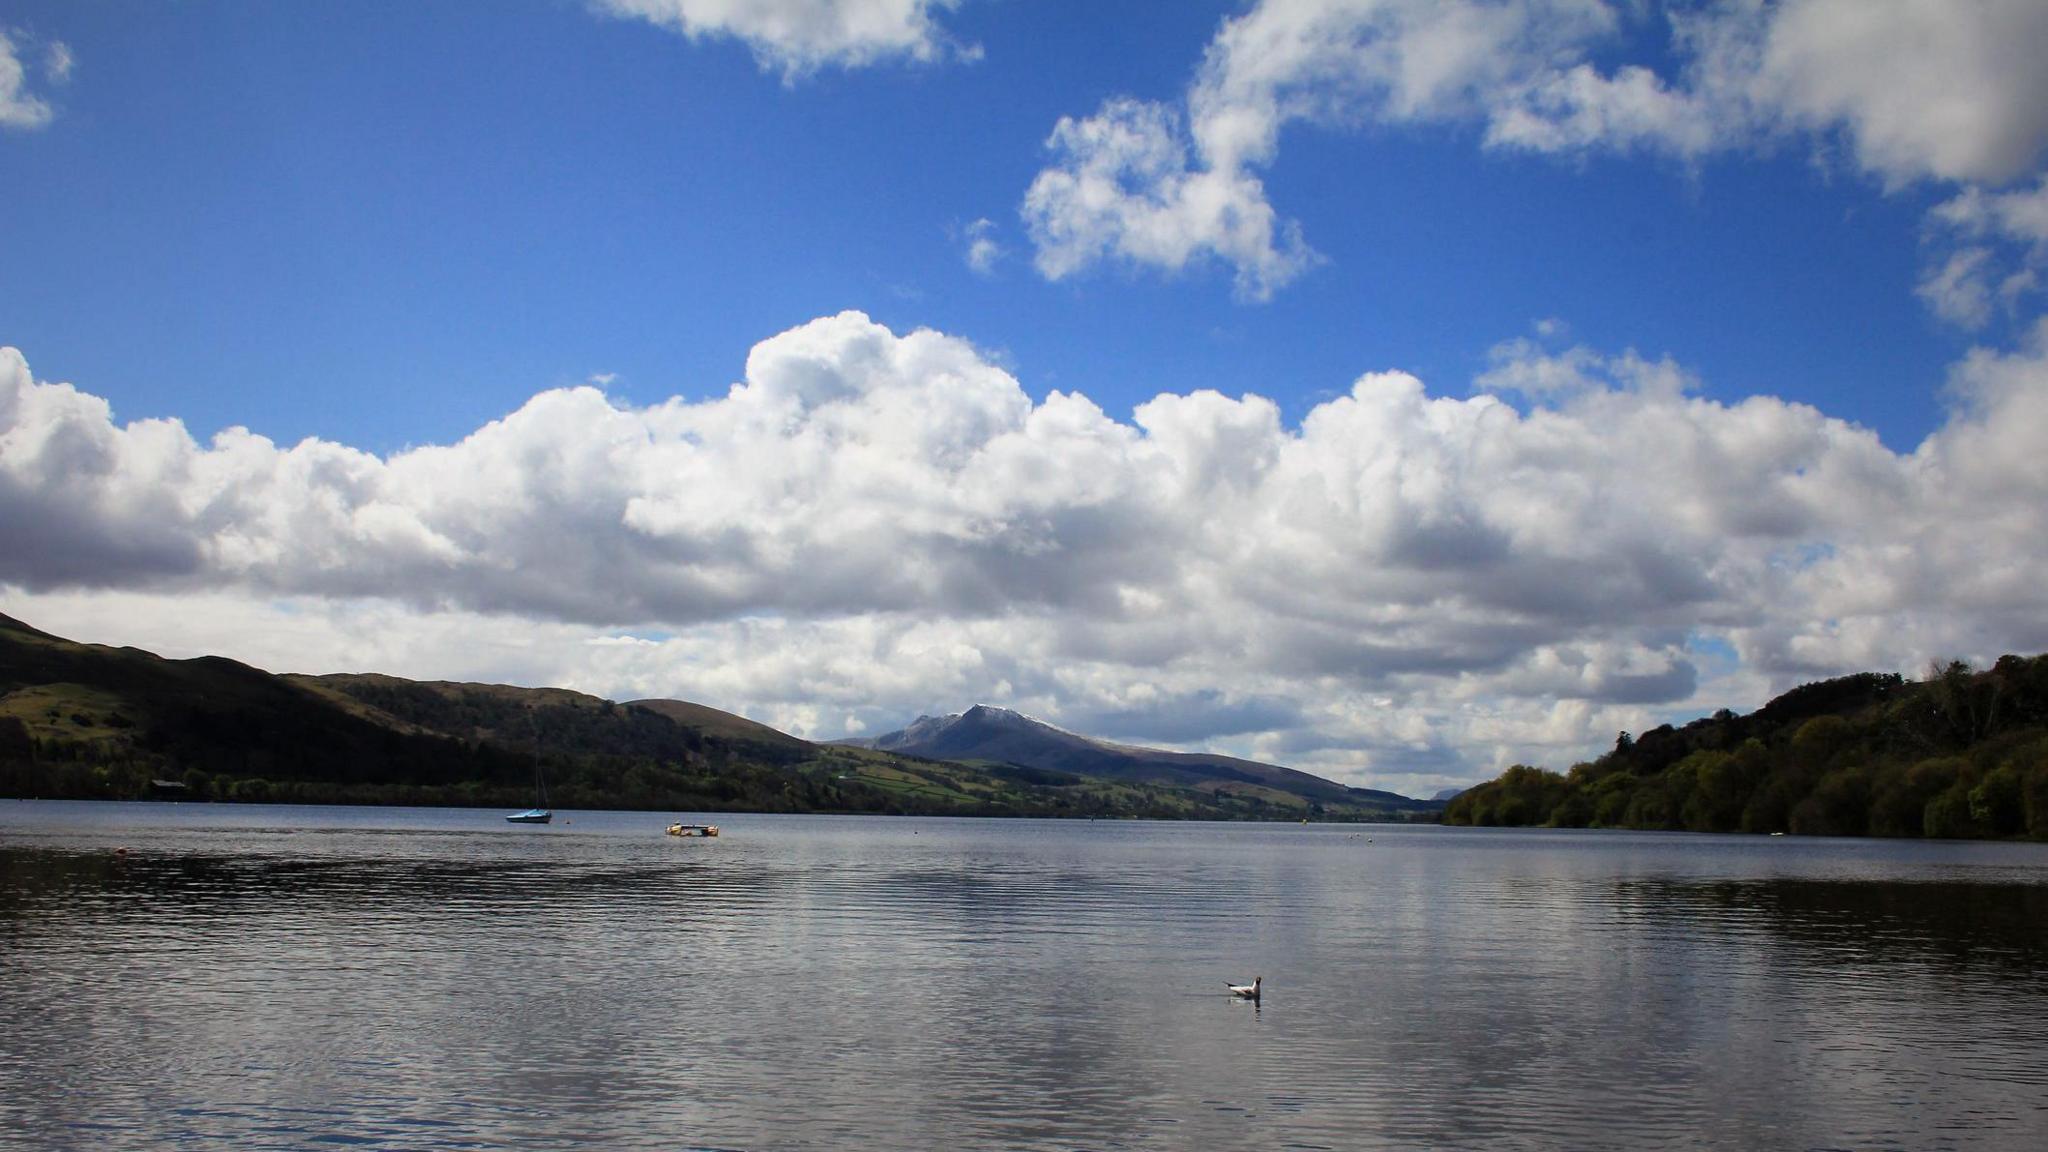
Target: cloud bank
{"x": 1911, "y": 89}
{"x": 1406, "y": 588}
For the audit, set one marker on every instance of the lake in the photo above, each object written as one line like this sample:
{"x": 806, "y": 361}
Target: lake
{"x": 289, "y": 977}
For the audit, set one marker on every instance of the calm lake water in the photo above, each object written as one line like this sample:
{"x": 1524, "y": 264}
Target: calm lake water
{"x": 276, "y": 977}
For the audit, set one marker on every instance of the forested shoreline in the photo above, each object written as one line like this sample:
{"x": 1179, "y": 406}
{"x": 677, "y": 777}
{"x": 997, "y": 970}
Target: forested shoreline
{"x": 1962, "y": 753}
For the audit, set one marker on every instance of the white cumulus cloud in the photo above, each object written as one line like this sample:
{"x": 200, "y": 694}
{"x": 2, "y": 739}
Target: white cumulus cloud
{"x": 1933, "y": 88}
{"x": 1959, "y": 291}
{"x": 1915, "y": 89}
{"x": 798, "y": 37}
{"x": 1123, "y": 188}
{"x": 2020, "y": 215}
{"x": 1990, "y": 249}
{"x": 1407, "y": 588}
{"x": 58, "y": 62}
{"x": 983, "y": 252}
{"x": 21, "y": 108}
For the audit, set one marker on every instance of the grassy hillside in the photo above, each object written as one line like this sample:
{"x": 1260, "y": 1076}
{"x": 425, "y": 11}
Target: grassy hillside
{"x": 714, "y": 722}
{"x": 89, "y": 721}
{"x": 1962, "y": 753}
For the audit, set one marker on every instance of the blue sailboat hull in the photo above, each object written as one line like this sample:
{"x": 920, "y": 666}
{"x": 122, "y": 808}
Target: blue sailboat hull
{"x": 531, "y": 816}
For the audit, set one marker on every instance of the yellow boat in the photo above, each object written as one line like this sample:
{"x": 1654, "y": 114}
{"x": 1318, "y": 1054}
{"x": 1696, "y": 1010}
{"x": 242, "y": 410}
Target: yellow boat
{"x": 693, "y": 829}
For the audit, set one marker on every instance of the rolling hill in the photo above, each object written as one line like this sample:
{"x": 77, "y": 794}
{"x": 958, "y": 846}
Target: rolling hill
{"x": 91, "y": 721}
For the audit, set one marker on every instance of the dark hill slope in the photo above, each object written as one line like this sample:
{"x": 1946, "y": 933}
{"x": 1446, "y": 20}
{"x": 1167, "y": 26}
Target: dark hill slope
{"x": 87, "y": 721}
{"x": 112, "y": 719}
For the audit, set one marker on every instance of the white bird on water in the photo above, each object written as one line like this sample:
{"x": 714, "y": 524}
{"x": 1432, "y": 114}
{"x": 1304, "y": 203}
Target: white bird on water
{"x": 1247, "y": 991}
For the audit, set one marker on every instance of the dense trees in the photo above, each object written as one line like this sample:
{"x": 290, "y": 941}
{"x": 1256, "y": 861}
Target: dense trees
{"x": 1960, "y": 753}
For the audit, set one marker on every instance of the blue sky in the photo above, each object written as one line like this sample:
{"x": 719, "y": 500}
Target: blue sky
{"x": 385, "y": 227}
{"x": 388, "y": 226}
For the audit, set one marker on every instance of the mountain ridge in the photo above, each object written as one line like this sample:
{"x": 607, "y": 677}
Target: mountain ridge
{"x": 986, "y": 732}
{"x": 89, "y": 721}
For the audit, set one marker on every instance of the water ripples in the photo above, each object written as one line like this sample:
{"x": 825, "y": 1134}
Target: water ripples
{"x": 421, "y": 982}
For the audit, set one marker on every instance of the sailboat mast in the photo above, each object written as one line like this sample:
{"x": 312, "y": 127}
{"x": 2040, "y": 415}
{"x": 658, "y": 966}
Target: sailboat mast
{"x": 539, "y": 813}
{"x": 540, "y": 784}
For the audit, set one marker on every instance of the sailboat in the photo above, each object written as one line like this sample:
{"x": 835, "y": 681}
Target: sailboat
{"x": 538, "y": 814}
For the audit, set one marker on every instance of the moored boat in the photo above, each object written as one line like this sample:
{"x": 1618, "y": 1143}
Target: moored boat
{"x": 539, "y": 813}
{"x": 693, "y": 829}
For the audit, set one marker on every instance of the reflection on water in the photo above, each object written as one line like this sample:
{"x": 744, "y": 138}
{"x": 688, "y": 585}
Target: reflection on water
{"x": 434, "y": 979}
{"x": 1872, "y": 922}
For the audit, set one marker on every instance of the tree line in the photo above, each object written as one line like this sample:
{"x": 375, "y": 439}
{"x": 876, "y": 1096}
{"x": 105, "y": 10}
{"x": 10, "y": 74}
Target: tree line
{"x": 1962, "y": 753}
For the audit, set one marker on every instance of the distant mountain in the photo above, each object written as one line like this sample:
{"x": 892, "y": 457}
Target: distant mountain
{"x": 94, "y": 722}
{"x": 86, "y": 721}
{"x": 984, "y": 734}
{"x": 1450, "y": 794}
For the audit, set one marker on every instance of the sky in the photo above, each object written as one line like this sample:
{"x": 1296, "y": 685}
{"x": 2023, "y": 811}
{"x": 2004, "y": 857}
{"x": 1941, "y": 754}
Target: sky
{"x": 1392, "y": 390}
